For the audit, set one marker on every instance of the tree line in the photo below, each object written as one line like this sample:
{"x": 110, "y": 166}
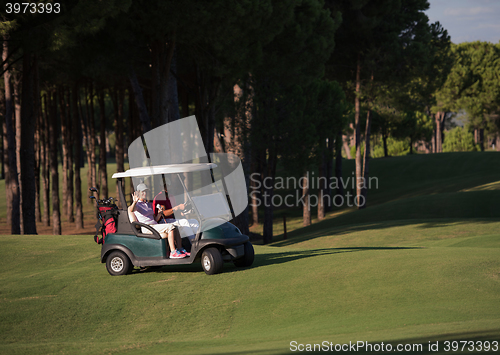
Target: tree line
{"x": 293, "y": 85}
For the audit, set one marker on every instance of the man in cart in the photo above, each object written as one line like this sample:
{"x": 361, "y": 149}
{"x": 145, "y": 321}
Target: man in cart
{"x": 166, "y": 205}
{"x": 143, "y": 212}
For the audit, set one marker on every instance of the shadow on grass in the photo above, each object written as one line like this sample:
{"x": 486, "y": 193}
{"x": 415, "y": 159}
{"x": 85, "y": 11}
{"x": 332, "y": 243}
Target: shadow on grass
{"x": 284, "y": 257}
{"x": 189, "y": 268}
{"x": 266, "y": 259}
{"x": 451, "y": 343}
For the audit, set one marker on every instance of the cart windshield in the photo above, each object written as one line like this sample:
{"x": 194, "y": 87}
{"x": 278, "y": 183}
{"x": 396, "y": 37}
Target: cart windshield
{"x": 171, "y": 160}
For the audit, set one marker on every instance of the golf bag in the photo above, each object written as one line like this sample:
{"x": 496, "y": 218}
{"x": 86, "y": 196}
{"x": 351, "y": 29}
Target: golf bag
{"x": 108, "y": 215}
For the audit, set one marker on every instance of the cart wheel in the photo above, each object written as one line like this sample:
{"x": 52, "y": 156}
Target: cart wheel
{"x": 118, "y": 264}
{"x": 247, "y": 259}
{"x": 211, "y": 261}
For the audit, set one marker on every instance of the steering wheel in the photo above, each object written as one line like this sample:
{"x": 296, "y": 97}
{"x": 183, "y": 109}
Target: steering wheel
{"x": 187, "y": 207}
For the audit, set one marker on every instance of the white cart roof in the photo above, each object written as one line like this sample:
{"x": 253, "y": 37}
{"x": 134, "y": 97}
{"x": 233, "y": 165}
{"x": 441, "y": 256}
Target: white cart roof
{"x": 164, "y": 169}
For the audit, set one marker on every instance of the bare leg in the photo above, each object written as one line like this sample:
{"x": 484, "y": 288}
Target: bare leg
{"x": 170, "y": 239}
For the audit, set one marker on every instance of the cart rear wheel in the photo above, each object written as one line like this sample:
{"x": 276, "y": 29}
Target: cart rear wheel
{"x": 118, "y": 264}
{"x": 211, "y": 261}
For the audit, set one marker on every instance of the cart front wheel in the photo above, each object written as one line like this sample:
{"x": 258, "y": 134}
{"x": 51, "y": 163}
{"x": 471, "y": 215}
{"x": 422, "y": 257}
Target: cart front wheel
{"x": 211, "y": 261}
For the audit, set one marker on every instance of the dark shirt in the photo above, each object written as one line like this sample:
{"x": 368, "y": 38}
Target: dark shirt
{"x": 162, "y": 199}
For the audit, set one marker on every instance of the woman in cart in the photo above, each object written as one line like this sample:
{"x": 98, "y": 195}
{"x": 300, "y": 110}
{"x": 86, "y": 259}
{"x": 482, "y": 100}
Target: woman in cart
{"x": 144, "y": 213}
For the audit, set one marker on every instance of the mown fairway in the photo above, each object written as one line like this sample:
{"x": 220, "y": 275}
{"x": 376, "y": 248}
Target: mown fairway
{"x": 413, "y": 267}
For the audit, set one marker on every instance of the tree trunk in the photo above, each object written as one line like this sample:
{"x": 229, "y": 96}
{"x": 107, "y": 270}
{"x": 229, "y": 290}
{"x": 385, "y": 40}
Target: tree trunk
{"x": 78, "y": 152}
{"x": 53, "y": 134}
{"x": 157, "y": 58}
{"x": 439, "y": 122}
{"x": 366, "y": 159}
{"x": 200, "y": 98}
{"x": 433, "y": 142}
{"x": 12, "y": 182}
{"x": 321, "y": 190}
{"x": 38, "y": 155}
{"x": 139, "y": 99}
{"x": 86, "y": 138}
{"x": 28, "y": 121}
{"x": 18, "y": 125}
{"x": 384, "y": 140}
{"x": 357, "y": 129}
{"x": 255, "y": 188}
{"x": 306, "y": 202}
{"x": 268, "y": 196}
{"x": 92, "y": 140}
{"x": 45, "y": 162}
{"x": 188, "y": 178}
{"x": 71, "y": 139}
{"x": 65, "y": 146}
{"x": 206, "y": 92}
{"x": 338, "y": 168}
{"x": 233, "y": 144}
{"x": 173, "y": 95}
{"x": 103, "y": 173}
{"x": 347, "y": 150}
{"x": 118, "y": 102}
{"x": 481, "y": 139}
{"x": 133, "y": 131}
{"x": 184, "y": 93}
{"x": 5, "y": 163}
{"x": 161, "y": 55}
{"x": 211, "y": 127}
{"x": 327, "y": 194}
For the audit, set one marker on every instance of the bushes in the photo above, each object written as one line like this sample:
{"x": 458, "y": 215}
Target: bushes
{"x": 459, "y": 140}
{"x": 395, "y": 147}
{"x": 456, "y": 140}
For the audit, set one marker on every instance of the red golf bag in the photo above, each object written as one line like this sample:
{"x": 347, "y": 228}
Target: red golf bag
{"x": 107, "y": 222}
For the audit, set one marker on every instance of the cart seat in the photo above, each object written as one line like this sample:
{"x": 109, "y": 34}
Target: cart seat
{"x": 139, "y": 228}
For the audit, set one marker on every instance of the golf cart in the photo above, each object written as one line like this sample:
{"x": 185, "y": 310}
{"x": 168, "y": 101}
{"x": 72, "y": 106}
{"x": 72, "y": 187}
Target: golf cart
{"x": 216, "y": 241}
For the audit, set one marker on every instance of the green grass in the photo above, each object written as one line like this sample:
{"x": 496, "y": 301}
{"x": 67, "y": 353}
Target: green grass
{"x": 414, "y": 267}
{"x": 399, "y": 282}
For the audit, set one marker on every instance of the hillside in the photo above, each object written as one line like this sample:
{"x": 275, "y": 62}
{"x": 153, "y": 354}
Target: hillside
{"x": 413, "y": 268}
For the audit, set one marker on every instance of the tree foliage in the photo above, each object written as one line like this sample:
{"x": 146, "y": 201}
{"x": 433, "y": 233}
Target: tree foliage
{"x": 459, "y": 139}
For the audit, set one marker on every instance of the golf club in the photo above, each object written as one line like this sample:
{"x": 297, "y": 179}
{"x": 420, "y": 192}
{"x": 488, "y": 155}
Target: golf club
{"x": 93, "y": 189}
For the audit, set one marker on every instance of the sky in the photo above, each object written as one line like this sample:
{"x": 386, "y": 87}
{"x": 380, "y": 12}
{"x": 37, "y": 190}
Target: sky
{"x": 467, "y": 20}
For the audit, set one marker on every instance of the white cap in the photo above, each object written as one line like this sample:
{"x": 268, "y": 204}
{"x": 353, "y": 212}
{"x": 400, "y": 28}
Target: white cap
{"x": 142, "y": 187}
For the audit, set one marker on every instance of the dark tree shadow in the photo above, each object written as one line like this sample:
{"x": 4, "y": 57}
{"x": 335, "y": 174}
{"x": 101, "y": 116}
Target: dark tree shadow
{"x": 265, "y": 259}
{"x": 418, "y": 345}
{"x": 328, "y": 228}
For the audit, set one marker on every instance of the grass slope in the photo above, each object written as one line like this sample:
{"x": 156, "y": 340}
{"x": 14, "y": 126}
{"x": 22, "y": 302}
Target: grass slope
{"x": 410, "y": 269}
{"x": 414, "y": 187}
